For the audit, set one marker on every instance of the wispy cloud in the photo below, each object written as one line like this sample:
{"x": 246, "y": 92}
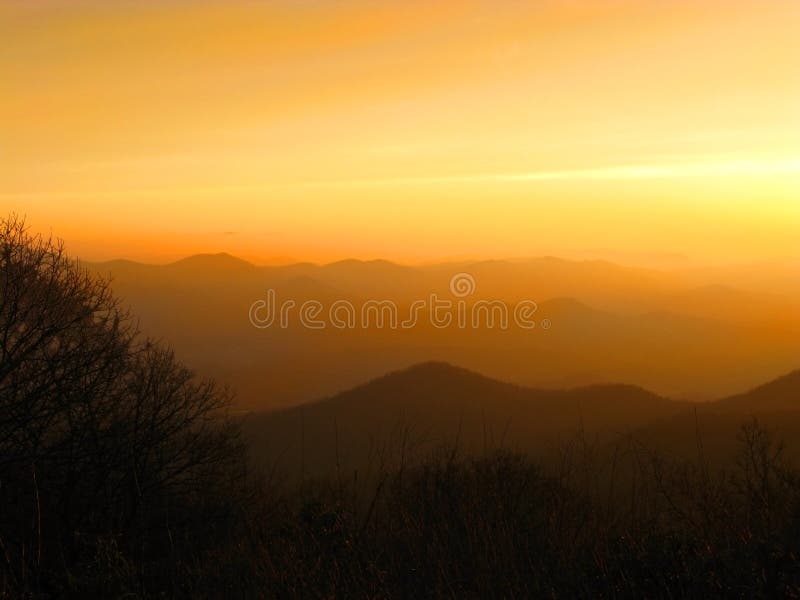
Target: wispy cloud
{"x": 736, "y": 168}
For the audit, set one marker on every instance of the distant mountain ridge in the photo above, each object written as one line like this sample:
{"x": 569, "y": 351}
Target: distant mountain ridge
{"x": 217, "y": 262}
{"x": 437, "y": 403}
{"x": 434, "y": 402}
{"x": 609, "y": 323}
{"x": 780, "y": 394}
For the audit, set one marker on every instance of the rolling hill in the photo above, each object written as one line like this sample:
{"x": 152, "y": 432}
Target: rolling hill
{"x": 610, "y": 323}
{"x": 433, "y": 404}
{"x": 782, "y": 394}
{"x": 429, "y": 405}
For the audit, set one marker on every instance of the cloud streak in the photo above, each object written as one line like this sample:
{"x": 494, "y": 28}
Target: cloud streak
{"x": 713, "y": 170}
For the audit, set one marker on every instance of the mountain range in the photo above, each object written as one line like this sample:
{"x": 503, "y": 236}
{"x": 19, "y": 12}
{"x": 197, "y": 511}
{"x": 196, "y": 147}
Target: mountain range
{"x": 685, "y": 333}
{"x": 430, "y": 405}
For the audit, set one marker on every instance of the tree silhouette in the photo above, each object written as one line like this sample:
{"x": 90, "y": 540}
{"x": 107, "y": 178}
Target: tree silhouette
{"x": 104, "y": 435}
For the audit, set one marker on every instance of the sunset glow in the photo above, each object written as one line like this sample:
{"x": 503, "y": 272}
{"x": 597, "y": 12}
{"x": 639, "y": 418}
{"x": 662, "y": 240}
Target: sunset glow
{"x": 409, "y": 131}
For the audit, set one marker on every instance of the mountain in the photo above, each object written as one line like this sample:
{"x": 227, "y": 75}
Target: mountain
{"x": 782, "y": 394}
{"x": 428, "y": 405}
{"x": 414, "y": 411}
{"x": 609, "y": 323}
{"x": 713, "y": 430}
{"x": 215, "y": 263}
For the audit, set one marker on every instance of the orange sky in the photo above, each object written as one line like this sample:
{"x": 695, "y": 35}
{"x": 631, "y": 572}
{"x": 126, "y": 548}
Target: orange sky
{"x": 405, "y": 130}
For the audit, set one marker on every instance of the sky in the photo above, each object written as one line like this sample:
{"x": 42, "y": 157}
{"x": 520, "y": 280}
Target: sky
{"x": 319, "y": 130}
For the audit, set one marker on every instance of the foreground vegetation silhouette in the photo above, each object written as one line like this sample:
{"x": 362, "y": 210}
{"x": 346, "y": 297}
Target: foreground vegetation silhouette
{"x": 121, "y": 475}
{"x": 108, "y": 446}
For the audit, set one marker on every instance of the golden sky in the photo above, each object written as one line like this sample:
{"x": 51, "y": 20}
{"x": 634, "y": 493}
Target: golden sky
{"x": 405, "y": 130}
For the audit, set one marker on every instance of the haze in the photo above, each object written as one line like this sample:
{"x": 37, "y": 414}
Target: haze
{"x": 410, "y": 298}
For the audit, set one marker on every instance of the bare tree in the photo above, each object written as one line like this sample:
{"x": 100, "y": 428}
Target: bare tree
{"x": 100, "y": 430}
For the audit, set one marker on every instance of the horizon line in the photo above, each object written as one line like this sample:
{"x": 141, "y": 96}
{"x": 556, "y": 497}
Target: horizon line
{"x": 690, "y": 263}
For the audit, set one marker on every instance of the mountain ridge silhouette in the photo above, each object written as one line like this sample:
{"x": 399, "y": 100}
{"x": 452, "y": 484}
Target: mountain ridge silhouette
{"x": 434, "y": 402}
